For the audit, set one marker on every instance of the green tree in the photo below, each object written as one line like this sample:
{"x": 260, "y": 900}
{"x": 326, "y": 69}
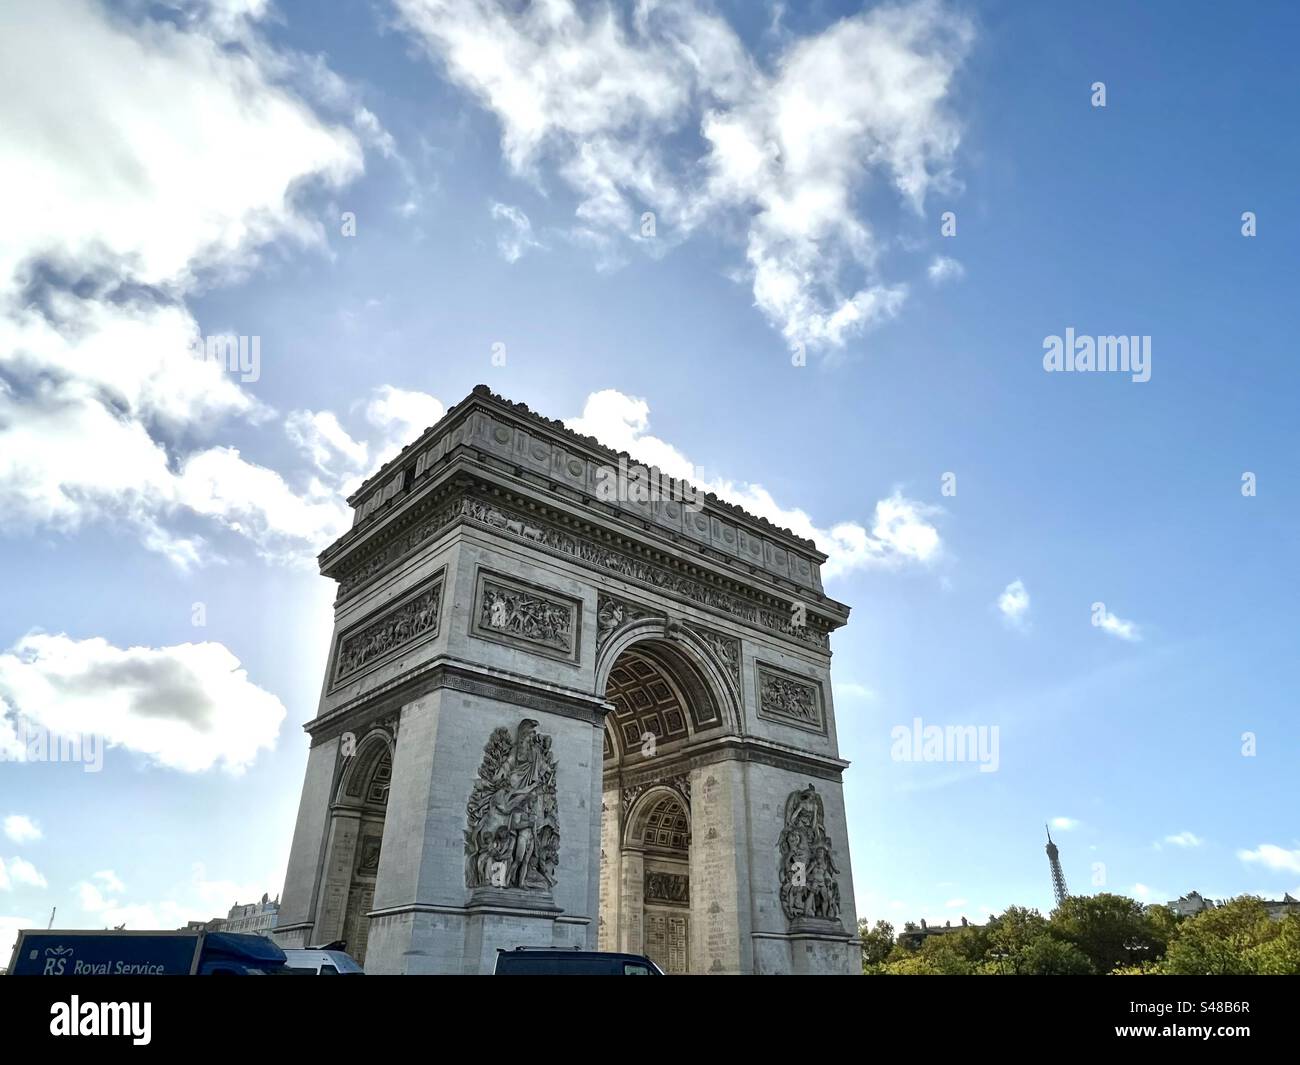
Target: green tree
{"x": 1164, "y": 924}
{"x": 1279, "y": 955}
{"x": 1110, "y": 930}
{"x": 877, "y": 944}
{"x": 1233, "y": 939}
{"x": 1146, "y": 968}
{"x": 1009, "y": 935}
{"x": 940, "y": 955}
{"x": 1049, "y": 956}
{"x": 910, "y": 964}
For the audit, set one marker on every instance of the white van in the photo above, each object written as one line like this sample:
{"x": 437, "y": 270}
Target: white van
{"x": 318, "y": 961}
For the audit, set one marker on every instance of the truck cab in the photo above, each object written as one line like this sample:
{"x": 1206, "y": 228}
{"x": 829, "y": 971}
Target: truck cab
{"x": 120, "y": 953}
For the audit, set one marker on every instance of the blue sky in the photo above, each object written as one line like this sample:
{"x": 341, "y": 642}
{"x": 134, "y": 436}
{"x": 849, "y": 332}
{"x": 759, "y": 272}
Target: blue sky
{"x": 798, "y": 163}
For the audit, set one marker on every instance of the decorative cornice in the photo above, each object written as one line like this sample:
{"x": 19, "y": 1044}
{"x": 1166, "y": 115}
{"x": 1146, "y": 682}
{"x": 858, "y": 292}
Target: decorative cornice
{"x": 658, "y": 572}
{"x": 424, "y": 521}
{"x": 483, "y": 395}
{"x": 455, "y": 675}
{"x": 724, "y": 749}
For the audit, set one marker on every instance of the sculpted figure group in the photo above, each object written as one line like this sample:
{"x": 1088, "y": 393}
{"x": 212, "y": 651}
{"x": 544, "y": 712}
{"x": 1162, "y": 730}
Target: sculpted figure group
{"x": 808, "y": 884}
{"x": 513, "y": 834}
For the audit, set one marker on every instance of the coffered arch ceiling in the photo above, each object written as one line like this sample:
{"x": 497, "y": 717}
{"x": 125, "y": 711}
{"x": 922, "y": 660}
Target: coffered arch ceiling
{"x": 655, "y": 692}
{"x": 663, "y": 825}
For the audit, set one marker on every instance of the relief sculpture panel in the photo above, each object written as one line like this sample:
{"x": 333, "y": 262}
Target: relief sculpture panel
{"x": 790, "y": 700}
{"x": 413, "y": 619}
{"x": 512, "y": 838}
{"x": 510, "y": 611}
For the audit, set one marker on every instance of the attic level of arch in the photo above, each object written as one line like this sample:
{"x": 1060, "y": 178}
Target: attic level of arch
{"x": 493, "y": 434}
{"x": 489, "y": 421}
{"x": 580, "y": 530}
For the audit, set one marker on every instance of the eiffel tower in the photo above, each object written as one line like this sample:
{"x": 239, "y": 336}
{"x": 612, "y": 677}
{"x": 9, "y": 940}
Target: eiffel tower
{"x": 1058, "y": 877}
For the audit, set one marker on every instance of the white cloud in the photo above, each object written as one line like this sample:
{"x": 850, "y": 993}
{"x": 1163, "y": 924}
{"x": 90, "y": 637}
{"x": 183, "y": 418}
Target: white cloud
{"x": 901, "y": 531}
{"x": 514, "y": 232}
{"x": 1065, "y": 824}
{"x": 93, "y": 894}
{"x": 955, "y": 904}
{"x": 1115, "y": 626}
{"x": 853, "y": 690}
{"x": 1271, "y": 856}
{"x": 18, "y": 872}
{"x": 944, "y": 269}
{"x": 1185, "y": 839}
{"x": 109, "y": 880}
{"x": 786, "y": 152}
{"x": 118, "y": 173}
{"x": 399, "y": 416}
{"x": 320, "y": 435}
{"x": 1013, "y": 604}
{"x": 21, "y": 829}
{"x": 197, "y": 900}
{"x": 257, "y": 503}
{"x": 10, "y": 925}
{"x": 394, "y": 418}
{"x": 187, "y": 707}
{"x": 1147, "y": 894}
{"x": 133, "y": 198}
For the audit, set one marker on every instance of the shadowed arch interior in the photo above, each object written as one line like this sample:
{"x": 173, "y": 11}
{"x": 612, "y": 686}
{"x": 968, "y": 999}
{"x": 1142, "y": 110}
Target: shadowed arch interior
{"x": 660, "y": 823}
{"x": 367, "y": 780}
{"x": 655, "y": 691}
{"x": 357, "y": 830}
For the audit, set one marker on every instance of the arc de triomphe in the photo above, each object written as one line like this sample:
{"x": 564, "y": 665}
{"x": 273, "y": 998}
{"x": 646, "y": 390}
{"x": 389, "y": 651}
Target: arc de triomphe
{"x": 570, "y": 703}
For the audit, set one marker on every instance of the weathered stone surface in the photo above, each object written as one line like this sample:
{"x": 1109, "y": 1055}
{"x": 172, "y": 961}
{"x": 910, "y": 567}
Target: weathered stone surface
{"x": 636, "y": 669}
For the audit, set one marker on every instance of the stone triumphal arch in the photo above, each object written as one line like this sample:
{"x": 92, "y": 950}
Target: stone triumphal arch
{"x": 560, "y": 714}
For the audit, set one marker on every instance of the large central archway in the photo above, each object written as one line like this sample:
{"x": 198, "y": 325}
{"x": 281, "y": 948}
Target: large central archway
{"x": 663, "y": 701}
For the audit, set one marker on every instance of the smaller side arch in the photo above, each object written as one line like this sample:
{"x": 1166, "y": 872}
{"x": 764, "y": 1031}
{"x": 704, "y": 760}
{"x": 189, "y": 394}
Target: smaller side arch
{"x": 646, "y": 806}
{"x": 365, "y": 774}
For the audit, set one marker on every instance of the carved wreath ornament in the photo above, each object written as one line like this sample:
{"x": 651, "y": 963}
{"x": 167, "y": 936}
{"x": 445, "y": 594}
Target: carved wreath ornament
{"x": 513, "y": 834}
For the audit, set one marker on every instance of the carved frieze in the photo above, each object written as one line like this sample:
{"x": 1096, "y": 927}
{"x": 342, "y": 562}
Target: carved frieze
{"x": 513, "y": 612}
{"x": 413, "y": 619}
{"x": 611, "y": 613}
{"x": 648, "y": 573}
{"x": 588, "y": 551}
{"x": 809, "y": 890}
{"x": 673, "y": 888}
{"x": 400, "y": 545}
{"x": 512, "y": 837}
{"x": 727, "y": 648}
{"x": 790, "y": 700}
